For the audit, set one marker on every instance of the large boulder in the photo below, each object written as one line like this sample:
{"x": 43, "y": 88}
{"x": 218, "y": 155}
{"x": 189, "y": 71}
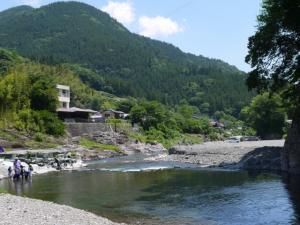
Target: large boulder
{"x": 291, "y": 155}
{"x": 265, "y": 158}
{"x": 176, "y": 151}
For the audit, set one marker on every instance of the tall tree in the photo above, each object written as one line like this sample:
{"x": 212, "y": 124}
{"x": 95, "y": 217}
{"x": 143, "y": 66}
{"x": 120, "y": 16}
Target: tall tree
{"x": 274, "y": 54}
{"x": 266, "y": 115}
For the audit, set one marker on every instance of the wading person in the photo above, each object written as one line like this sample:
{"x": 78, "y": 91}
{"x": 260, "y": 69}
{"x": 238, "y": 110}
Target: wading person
{"x": 10, "y": 170}
{"x": 17, "y": 168}
{"x": 22, "y": 171}
{"x": 30, "y": 169}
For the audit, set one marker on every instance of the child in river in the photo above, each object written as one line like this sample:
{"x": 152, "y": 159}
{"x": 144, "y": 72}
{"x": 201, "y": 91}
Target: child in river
{"x": 30, "y": 169}
{"x": 10, "y": 170}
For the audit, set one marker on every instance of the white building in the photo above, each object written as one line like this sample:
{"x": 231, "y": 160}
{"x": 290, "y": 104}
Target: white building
{"x": 63, "y": 96}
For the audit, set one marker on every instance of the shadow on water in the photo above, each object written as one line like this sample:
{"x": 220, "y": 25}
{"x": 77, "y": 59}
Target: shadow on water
{"x": 292, "y": 184}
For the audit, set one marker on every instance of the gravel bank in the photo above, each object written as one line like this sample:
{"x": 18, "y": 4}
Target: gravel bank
{"x": 211, "y": 154}
{"x": 18, "y": 210}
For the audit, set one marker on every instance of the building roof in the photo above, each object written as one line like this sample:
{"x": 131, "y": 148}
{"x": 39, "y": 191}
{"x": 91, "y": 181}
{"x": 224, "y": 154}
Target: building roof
{"x": 75, "y": 109}
{"x": 63, "y": 87}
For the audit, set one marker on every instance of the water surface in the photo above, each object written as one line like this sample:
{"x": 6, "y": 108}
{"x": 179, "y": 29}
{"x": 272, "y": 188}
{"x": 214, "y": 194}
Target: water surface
{"x": 157, "y": 193}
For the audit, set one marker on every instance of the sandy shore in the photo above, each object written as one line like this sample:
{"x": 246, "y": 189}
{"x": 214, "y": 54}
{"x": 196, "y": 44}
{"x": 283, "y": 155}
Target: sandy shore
{"x": 18, "y": 210}
{"x": 223, "y": 153}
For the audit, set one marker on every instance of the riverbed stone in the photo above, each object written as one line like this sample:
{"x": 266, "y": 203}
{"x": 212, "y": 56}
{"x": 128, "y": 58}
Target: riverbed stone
{"x": 176, "y": 151}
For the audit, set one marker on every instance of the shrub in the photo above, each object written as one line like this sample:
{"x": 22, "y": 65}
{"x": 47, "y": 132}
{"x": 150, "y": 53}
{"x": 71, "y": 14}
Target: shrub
{"x": 39, "y": 121}
{"x": 50, "y": 123}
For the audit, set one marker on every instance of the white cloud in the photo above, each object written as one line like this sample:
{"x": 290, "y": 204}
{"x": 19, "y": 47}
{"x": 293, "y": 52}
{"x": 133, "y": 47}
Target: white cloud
{"x": 158, "y": 26}
{"x": 121, "y": 11}
{"x": 34, "y": 3}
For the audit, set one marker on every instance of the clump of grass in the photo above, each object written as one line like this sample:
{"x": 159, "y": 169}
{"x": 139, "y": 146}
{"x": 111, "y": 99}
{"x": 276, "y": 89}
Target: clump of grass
{"x": 3, "y": 191}
{"x": 43, "y": 141}
{"x": 192, "y": 139}
{"x": 185, "y": 139}
{"x": 90, "y": 144}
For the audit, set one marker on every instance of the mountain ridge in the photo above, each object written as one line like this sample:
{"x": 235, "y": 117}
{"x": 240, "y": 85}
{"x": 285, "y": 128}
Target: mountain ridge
{"x": 129, "y": 64}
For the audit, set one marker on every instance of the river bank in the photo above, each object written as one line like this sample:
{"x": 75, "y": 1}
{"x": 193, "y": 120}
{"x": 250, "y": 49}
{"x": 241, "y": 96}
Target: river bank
{"x": 19, "y": 210}
{"x": 258, "y": 155}
{"x": 74, "y": 155}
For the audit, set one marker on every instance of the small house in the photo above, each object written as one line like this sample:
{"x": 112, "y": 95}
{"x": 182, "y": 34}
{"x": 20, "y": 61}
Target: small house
{"x": 75, "y": 114}
{"x": 110, "y": 113}
{"x": 67, "y": 113}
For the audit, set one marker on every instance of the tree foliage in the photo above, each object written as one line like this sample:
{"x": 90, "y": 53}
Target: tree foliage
{"x": 28, "y": 94}
{"x": 266, "y": 115}
{"x": 274, "y": 49}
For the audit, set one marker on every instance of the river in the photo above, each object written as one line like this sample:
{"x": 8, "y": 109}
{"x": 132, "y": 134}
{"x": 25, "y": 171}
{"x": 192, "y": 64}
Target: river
{"x": 139, "y": 192}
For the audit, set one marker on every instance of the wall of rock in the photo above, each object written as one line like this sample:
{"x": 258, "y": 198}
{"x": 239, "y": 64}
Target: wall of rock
{"x": 290, "y": 159}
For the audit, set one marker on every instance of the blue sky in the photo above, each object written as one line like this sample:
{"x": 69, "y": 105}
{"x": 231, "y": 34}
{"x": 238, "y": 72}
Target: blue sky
{"x": 212, "y": 28}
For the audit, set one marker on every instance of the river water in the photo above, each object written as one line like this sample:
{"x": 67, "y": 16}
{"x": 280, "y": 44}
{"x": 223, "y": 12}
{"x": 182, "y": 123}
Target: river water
{"x": 139, "y": 192}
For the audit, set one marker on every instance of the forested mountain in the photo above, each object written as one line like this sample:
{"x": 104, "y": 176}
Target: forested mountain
{"x": 104, "y": 54}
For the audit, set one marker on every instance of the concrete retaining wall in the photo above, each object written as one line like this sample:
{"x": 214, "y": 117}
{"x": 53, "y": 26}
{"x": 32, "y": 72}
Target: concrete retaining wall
{"x": 81, "y": 129}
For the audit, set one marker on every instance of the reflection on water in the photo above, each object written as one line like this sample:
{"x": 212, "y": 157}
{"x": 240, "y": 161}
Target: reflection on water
{"x": 20, "y": 186}
{"x": 173, "y": 196}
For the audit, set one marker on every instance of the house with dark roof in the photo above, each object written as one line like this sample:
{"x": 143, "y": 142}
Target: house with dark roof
{"x": 71, "y": 114}
{"x": 110, "y": 113}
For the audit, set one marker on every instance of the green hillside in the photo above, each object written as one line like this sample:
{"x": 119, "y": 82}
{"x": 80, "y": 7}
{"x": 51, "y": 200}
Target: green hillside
{"x": 110, "y": 58}
{"x": 28, "y": 102}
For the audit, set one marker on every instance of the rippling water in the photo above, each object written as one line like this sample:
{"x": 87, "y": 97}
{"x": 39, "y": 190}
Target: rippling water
{"x": 139, "y": 192}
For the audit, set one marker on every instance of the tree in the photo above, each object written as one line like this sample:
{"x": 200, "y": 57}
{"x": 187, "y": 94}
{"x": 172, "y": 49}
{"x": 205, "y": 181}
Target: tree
{"x": 95, "y": 103}
{"x": 126, "y": 105}
{"x": 43, "y": 93}
{"x": 149, "y": 114}
{"x": 186, "y": 110}
{"x": 275, "y": 59}
{"x": 266, "y": 115}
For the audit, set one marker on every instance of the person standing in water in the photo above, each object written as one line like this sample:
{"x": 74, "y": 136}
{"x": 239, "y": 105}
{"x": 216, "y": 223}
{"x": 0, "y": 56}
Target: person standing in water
{"x": 30, "y": 169}
{"x": 10, "y": 170}
{"x": 17, "y": 168}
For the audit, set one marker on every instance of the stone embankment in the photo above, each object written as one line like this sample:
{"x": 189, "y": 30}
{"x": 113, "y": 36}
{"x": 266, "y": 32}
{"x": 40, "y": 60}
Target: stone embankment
{"x": 86, "y": 129}
{"x": 18, "y": 210}
{"x": 259, "y": 155}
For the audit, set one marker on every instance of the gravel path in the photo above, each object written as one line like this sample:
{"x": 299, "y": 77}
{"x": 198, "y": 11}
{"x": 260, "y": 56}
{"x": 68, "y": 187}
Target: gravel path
{"x": 24, "y": 211}
{"x": 217, "y": 153}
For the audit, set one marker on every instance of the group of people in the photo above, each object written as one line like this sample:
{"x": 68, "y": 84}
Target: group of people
{"x": 20, "y": 171}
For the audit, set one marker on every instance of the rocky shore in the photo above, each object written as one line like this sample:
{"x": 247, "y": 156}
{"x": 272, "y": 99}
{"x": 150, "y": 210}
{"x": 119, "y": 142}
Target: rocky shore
{"x": 42, "y": 160}
{"x": 258, "y": 155}
{"x": 18, "y": 210}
